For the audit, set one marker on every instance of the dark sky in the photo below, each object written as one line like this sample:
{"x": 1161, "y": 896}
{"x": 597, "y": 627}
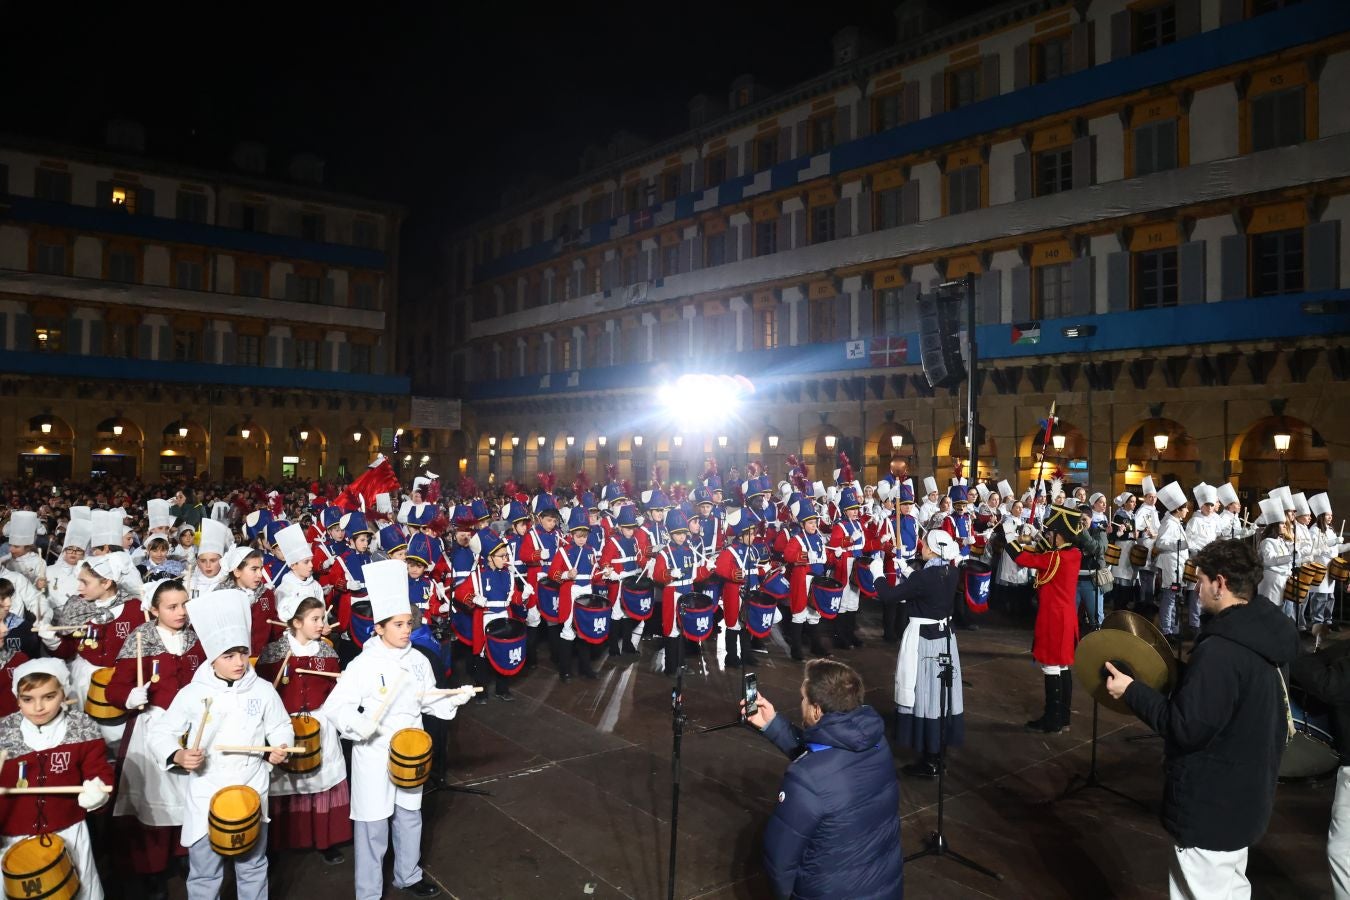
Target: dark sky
{"x": 438, "y": 106}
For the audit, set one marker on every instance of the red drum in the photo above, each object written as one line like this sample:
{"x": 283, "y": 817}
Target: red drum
{"x": 591, "y": 618}
{"x": 697, "y": 616}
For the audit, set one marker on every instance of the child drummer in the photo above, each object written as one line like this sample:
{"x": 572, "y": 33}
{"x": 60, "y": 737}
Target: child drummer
{"x": 51, "y": 745}
{"x": 225, "y": 705}
{"x": 387, "y": 688}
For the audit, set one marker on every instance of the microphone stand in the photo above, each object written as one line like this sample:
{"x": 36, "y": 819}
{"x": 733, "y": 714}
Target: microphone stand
{"x": 1091, "y": 780}
{"x": 937, "y": 842}
{"x": 677, "y": 729}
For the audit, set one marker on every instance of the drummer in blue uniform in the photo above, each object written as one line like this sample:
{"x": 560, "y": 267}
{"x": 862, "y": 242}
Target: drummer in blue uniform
{"x": 490, "y": 592}
{"x": 621, "y": 564}
{"x": 674, "y": 570}
{"x": 737, "y": 574}
{"x": 574, "y": 634}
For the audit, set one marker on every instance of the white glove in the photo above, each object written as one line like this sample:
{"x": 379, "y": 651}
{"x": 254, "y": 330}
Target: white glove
{"x": 480, "y": 601}
{"x": 50, "y": 639}
{"x": 877, "y": 567}
{"x": 544, "y": 553}
{"x": 355, "y": 585}
{"x": 364, "y": 728}
{"x": 460, "y": 699}
{"x": 527, "y": 592}
{"x": 93, "y": 796}
{"x": 675, "y": 573}
{"x": 327, "y": 564}
{"x": 138, "y": 697}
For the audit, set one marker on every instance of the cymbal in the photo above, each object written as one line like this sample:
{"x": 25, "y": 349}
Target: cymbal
{"x": 1130, "y": 653}
{"x": 1142, "y": 628}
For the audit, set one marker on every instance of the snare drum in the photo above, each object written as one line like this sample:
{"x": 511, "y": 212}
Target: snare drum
{"x": 410, "y": 757}
{"x": 827, "y": 596}
{"x": 1311, "y": 575}
{"x": 307, "y": 735}
{"x": 1312, "y": 751}
{"x": 1339, "y": 569}
{"x": 234, "y": 822}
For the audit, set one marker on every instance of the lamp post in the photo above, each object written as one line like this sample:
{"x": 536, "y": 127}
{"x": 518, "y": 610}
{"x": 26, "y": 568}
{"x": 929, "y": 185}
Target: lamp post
{"x": 1282, "y": 440}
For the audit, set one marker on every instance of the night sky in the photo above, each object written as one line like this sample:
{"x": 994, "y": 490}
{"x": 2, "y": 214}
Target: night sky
{"x": 435, "y": 106}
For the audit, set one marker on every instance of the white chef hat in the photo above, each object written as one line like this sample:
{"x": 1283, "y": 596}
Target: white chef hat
{"x": 22, "y": 528}
{"x": 1147, "y": 487}
{"x": 1284, "y": 496}
{"x": 1172, "y": 496}
{"x": 294, "y": 547}
{"x": 929, "y": 485}
{"x": 1198, "y": 492}
{"x": 80, "y": 512}
{"x": 77, "y": 534}
{"x": 157, "y": 511}
{"x": 1301, "y": 504}
{"x": 387, "y": 588}
{"x": 1320, "y": 504}
{"x": 48, "y": 665}
{"x": 289, "y": 595}
{"x": 216, "y": 537}
{"x": 1272, "y": 511}
{"x": 222, "y": 620}
{"x": 105, "y": 529}
{"x": 1005, "y": 489}
{"x": 1227, "y": 493}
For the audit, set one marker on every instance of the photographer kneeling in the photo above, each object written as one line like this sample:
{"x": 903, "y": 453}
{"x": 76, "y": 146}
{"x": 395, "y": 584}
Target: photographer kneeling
{"x": 836, "y": 829}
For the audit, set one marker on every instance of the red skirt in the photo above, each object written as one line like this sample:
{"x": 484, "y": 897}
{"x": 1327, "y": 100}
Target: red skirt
{"x": 147, "y": 849}
{"x": 303, "y": 821}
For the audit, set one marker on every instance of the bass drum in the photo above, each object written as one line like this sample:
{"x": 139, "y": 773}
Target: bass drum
{"x": 1311, "y": 752}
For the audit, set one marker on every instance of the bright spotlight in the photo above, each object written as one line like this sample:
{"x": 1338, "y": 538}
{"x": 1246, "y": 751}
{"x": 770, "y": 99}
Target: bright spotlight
{"x": 697, "y": 402}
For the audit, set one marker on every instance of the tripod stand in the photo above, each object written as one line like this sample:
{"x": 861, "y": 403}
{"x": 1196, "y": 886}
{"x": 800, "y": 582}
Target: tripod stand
{"x": 937, "y": 841}
{"x": 677, "y": 729}
{"x": 1091, "y": 780}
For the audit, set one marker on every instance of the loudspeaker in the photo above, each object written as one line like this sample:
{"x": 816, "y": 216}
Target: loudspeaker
{"x": 940, "y": 340}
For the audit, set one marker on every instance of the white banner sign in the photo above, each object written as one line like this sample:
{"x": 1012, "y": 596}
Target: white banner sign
{"x": 435, "y": 412}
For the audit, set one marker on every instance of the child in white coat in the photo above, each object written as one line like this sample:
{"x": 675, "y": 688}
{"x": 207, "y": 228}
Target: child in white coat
{"x": 385, "y": 689}
{"x": 226, "y": 704}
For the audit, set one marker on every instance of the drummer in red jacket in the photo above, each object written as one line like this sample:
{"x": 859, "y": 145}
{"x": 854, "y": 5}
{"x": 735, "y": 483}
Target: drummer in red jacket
{"x": 1056, "y": 632}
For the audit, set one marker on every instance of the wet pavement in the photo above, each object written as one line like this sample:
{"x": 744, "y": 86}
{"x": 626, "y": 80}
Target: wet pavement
{"x": 579, "y": 780}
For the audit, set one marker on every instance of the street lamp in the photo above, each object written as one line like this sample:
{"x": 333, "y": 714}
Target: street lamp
{"x": 1282, "y": 440}
{"x": 182, "y": 431}
{"x": 515, "y": 440}
{"x": 1059, "y": 441}
{"x": 571, "y": 439}
{"x": 492, "y": 440}
{"x": 541, "y": 440}
{"x": 46, "y": 427}
{"x": 830, "y": 441}
{"x": 722, "y": 441}
{"x": 1160, "y": 442}
{"x": 897, "y": 441}
{"x": 637, "y": 440}
{"x": 243, "y": 432}
{"x": 356, "y": 437}
{"x": 773, "y": 442}
{"x": 602, "y": 440}
{"x": 304, "y": 436}
{"x": 678, "y": 440}
{"x": 117, "y": 431}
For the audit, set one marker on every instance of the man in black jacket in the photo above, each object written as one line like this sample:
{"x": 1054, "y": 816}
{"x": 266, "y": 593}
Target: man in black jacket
{"x": 836, "y": 829}
{"x": 1224, "y": 726}
{"x": 1326, "y": 676}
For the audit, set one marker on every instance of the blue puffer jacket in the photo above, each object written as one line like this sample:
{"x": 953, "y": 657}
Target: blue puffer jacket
{"x": 836, "y": 830}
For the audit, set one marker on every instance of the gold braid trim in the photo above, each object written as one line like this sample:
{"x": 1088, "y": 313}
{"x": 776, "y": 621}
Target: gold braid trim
{"x": 1051, "y": 572}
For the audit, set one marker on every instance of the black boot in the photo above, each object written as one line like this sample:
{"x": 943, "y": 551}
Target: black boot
{"x": 888, "y": 616}
{"x": 672, "y": 648}
{"x": 1049, "y": 722}
{"x": 532, "y": 648}
{"x": 615, "y": 642}
{"x": 816, "y": 636}
{"x": 562, "y": 655}
{"x": 928, "y": 767}
{"x": 794, "y": 639}
{"x": 746, "y": 641}
{"x": 1065, "y": 698}
{"x": 733, "y": 641}
{"x": 854, "y": 640}
{"x": 626, "y": 644}
{"x": 583, "y": 651}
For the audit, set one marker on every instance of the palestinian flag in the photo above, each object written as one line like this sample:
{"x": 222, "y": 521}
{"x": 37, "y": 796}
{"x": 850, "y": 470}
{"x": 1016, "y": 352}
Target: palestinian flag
{"x": 1026, "y": 332}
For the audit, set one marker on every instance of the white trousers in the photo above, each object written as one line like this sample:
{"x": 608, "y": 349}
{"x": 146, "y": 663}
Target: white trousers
{"x": 1338, "y": 837}
{"x": 371, "y": 841}
{"x": 1197, "y": 874}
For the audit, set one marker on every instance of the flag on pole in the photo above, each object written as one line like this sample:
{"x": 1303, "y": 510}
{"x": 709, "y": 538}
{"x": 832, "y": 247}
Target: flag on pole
{"x": 378, "y": 478}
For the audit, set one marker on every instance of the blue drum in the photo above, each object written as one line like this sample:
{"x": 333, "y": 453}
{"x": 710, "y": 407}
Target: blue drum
{"x": 505, "y": 645}
{"x": 863, "y": 579}
{"x": 635, "y": 595}
{"x": 461, "y": 622}
{"x": 591, "y": 618}
{"x": 827, "y": 596}
{"x": 975, "y": 576}
{"x": 758, "y": 612}
{"x": 362, "y": 626}
{"x": 698, "y": 615}
{"x": 549, "y": 606}
{"x": 776, "y": 584}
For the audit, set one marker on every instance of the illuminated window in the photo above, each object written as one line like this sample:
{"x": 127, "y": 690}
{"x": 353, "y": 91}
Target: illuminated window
{"x": 766, "y": 329}
{"x": 47, "y": 339}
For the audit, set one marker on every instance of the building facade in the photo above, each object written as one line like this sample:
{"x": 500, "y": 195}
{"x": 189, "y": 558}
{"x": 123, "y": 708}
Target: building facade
{"x": 157, "y": 320}
{"x": 1150, "y": 197}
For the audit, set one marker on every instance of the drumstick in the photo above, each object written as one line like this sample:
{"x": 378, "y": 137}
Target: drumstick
{"x": 451, "y": 692}
{"x": 140, "y": 672}
{"x": 69, "y": 627}
{"x": 320, "y": 672}
{"x": 276, "y": 679}
{"x": 201, "y": 730}
{"x": 379, "y": 713}
{"x": 63, "y": 789}
{"x": 275, "y": 622}
{"x": 233, "y": 748}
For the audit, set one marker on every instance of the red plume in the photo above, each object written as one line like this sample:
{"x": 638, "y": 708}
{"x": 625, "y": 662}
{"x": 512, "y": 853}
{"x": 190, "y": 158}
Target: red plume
{"x": 511, "y": 488}
{"x": 612, "y": 472}
{"x": 958, "y": 470}
{"x": 433, "y": 493}
{"x": 1059, "y": 474}
{"x": 628, "y": 489}
{"x": 797, "y": 474}
{"x": 845, "y": 469}
{"x": 754, "y": 470}
{"x": 709, "y": 468}
{"x": 440, "y": 523}
{"x": 276, "y": 504}
{"x": 581, "y": 484}
{"x": 677, "y": 493}
{"x": 468, "y": 488}
{"x": 546, "y": 482}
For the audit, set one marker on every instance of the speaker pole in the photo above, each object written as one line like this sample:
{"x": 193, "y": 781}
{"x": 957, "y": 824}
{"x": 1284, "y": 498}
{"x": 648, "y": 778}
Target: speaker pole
{"x": 973, "y": 387}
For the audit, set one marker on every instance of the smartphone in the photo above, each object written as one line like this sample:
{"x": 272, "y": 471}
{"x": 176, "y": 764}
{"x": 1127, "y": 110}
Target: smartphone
{"x": 751, "y": 694}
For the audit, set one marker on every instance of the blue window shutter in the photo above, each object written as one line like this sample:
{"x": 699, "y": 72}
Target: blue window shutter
{"x": 23, "y": 331}
{"x": 1191, "y": 272}
{"x": 75, "y": 336}
{"x": 1021, "y": 294}
{"x": 1118, "y": 281}
{"x": 1324, "y": 258}
{"x": 695, "y": 255}
{"x": 1233, "y": 266}
{"x": 95, "y": 337}
{"x": 989, "y": 293}
{"x": 1080, "y": 286}
{"x": 733, "y": 161}
{"x": 843, "y": 218}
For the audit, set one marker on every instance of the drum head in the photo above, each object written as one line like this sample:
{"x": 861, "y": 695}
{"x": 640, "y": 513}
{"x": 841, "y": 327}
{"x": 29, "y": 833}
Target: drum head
{"x": 696, "y": 601}
{"x": 550, "y": 584}
{"x": 977, "y": 566}
{"x": 591, "y": 601}
{"x": 828, "y": 584}
{"x": 361, "y": 608}
{"x": 1307, "y": 757}
{"x": 504, "y": 629}
{"x": 641, "y": 583}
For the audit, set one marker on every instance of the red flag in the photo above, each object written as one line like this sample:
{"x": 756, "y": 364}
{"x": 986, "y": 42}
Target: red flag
{"x": 378, "y": 478}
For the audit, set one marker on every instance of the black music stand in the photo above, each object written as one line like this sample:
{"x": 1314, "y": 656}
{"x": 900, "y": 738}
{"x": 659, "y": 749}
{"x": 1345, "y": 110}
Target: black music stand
{"x": 937, "y": 841}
